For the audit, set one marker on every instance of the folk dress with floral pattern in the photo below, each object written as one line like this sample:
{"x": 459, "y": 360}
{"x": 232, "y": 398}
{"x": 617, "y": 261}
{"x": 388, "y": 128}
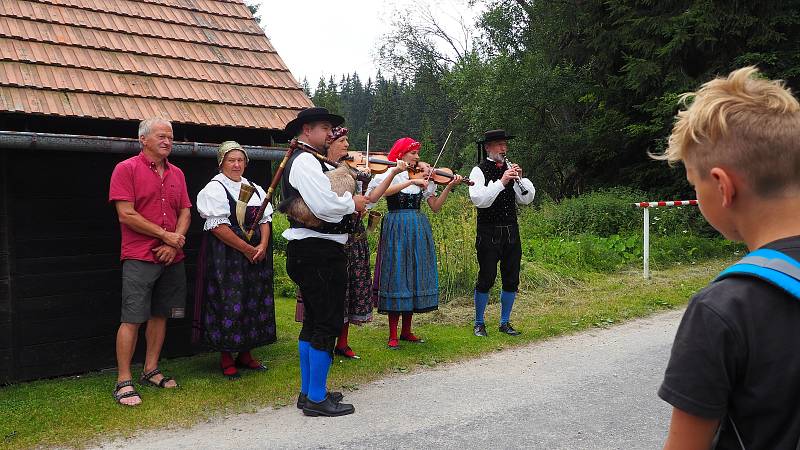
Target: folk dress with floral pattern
{"x": 234, "y": 307}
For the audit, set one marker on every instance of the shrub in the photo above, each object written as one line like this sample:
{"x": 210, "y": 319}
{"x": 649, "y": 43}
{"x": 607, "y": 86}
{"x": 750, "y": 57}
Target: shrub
{"x": 599, "y": 232}
{"x": 606, "y": 213}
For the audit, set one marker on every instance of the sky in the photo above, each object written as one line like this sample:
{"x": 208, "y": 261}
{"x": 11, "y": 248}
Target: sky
{"x": 315, "y": 39}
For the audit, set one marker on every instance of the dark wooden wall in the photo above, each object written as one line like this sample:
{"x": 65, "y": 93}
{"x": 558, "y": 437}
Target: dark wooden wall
{"x": 61, "y": 312}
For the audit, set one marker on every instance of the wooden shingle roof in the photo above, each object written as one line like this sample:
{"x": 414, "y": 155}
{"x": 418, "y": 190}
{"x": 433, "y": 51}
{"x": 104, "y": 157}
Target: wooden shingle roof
{"x": 204, "y": 62}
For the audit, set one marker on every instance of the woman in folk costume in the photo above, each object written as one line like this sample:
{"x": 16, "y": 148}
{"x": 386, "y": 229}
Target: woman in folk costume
{"x": 358, "y": 302}
{"x": 234, "y": 306}
{"x": 406, "y": 277}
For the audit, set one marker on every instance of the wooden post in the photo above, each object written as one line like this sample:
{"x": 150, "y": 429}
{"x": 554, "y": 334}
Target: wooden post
{"x": 7, "y": 325}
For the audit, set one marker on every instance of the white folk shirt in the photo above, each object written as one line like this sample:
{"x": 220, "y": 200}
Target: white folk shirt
{"x": 483, "y": 195}
{"x": 401, "y": 178}
{"x": 212, "y": 202}
{"x": 315, "y": 187}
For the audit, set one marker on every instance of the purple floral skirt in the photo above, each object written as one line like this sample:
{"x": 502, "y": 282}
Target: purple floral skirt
{"x": 234, "y": 299}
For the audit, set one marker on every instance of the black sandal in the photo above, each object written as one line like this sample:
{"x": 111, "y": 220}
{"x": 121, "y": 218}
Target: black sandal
{"x": 146, "y": 379}
{"x": 118, "y": 397}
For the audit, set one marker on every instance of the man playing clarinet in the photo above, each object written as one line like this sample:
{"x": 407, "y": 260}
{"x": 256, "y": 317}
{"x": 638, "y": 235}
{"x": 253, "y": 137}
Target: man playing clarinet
{"x": 498, "y": 188}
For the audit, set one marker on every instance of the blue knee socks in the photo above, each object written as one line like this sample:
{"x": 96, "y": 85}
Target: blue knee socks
{"x": 481, "y": 300}
{"x": 305, "y": 369}
{"x": 320, "y": 363}
{"x": 506, "y": 303}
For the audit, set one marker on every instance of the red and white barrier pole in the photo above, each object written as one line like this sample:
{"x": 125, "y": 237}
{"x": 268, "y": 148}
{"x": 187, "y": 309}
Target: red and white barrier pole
{"x": 670, "y": 203}
{"x": 646, "y": 225}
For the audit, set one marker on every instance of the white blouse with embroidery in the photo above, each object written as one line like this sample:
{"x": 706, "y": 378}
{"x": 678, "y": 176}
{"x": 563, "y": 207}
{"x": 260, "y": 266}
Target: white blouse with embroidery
{"x": 212, "y": 202}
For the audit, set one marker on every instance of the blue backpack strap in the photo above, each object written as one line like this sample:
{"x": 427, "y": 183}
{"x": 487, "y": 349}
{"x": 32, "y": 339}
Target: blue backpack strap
{"x": 772, "y": 266}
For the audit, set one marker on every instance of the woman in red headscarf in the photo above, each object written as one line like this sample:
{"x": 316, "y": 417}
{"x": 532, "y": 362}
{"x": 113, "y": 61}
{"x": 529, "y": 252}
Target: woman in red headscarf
{"x": 406, "y": 280}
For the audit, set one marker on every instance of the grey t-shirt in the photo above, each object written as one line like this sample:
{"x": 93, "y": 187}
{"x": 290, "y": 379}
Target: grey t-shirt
{"x": 737, "y": 353}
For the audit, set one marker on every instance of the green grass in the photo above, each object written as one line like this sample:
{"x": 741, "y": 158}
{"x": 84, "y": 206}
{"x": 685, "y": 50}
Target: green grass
{"x": 78, "y": 411}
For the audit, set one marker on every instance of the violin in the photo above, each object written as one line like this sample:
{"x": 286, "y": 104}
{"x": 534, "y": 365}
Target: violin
{"x": 357, "y": 174}
{"x": 442, "y": 175}
{"x": 377, "y": 162}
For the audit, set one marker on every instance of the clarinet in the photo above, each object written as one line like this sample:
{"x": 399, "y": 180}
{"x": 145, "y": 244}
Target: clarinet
{"x": 523, "y": 191}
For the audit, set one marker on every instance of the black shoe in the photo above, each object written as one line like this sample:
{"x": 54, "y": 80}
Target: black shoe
{"x": 327, "y": 408}
{"x": 480, "y": 331}
{"x": 508, "y": 329}
{"x": 335, "y": 396}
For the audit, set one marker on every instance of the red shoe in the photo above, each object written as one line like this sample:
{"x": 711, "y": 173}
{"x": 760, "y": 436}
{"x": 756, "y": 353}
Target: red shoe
{"x": 230, "y": 372}
{"x": 394, "y": 344}
{"x": 347, "y": 352}
{"x": 246, "y": 361}
{"x": 412, "y": 338}
{"x": 228, "y": 366}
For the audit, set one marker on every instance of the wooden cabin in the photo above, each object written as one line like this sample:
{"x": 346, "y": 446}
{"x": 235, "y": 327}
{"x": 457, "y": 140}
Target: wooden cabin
{"x": 76, "y": 77}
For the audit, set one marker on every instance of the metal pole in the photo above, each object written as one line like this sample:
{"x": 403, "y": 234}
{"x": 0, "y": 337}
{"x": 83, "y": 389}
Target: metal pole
{"x": 646, "y": 243}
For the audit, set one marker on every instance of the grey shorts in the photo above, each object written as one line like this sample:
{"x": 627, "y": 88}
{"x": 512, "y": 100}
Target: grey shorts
{"x": 150, "y": 289}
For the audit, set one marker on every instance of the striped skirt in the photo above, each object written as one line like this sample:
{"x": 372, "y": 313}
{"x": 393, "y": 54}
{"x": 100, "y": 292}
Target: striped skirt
{"x": 405, "y": 270}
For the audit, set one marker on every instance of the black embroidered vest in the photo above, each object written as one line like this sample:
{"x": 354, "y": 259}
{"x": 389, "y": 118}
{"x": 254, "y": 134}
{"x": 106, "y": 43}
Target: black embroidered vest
{"x": 401, "y": 200}
{"x": 504, "y": 209}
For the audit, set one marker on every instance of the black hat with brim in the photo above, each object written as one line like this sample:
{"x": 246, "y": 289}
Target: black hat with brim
{"x": 311, "y": 115}
{"x": 496, "y": 135}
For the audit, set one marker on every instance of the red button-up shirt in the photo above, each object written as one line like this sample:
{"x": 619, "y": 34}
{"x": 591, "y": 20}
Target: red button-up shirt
{"x": 158, "y": 199}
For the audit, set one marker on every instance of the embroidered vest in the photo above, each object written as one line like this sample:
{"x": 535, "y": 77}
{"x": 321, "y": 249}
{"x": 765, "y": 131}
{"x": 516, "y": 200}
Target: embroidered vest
{"x": 504, "y": 209}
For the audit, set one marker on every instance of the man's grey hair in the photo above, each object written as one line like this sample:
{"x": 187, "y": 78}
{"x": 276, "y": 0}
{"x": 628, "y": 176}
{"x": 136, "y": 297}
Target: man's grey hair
{"x": 147, "y": 124}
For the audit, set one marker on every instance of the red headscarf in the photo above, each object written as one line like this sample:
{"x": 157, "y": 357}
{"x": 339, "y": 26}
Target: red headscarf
{"x": 401, "y": 147}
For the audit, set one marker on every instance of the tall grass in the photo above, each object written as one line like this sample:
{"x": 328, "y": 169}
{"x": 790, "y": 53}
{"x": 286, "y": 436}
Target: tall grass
{"x": 599, "y": 232}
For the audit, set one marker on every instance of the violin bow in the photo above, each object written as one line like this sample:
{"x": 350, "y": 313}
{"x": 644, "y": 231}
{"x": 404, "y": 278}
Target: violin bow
{"x": 368, "y": 151}
{"x": 439, "y": 156}
{"x": 365, "y": 183}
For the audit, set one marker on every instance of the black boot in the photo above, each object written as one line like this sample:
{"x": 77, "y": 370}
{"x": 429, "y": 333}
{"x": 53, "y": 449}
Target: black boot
{"x": 508, "y": 329}
{"x": 335, "y": 396}
{"x": 327, "y": 408}
{"x": 480, "y": 331}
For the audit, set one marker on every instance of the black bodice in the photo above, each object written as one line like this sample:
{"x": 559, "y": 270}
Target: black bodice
{"x": 401, "y": 200}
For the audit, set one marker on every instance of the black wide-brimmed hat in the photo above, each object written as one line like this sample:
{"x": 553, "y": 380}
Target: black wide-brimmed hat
{"x": 311, "y": 115}
{"x": 496, "y": 135}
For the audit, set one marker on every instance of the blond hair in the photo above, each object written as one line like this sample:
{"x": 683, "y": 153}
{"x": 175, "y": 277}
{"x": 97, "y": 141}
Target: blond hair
{"x": 744, "y": 123}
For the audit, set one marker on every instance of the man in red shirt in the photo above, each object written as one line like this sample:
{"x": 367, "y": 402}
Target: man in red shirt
{"x": 153, "y": 205}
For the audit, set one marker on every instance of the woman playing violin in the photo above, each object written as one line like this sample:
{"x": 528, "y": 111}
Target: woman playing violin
{"x": 406, "y": 278}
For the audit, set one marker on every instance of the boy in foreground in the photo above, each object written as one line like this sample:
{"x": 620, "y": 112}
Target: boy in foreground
{"x": 734, "y": 374}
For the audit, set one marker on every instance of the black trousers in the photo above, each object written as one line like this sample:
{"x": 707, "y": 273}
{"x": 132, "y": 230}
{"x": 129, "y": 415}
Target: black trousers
{"x": 319, "y": 268}
{"x": 493, "y": 244}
